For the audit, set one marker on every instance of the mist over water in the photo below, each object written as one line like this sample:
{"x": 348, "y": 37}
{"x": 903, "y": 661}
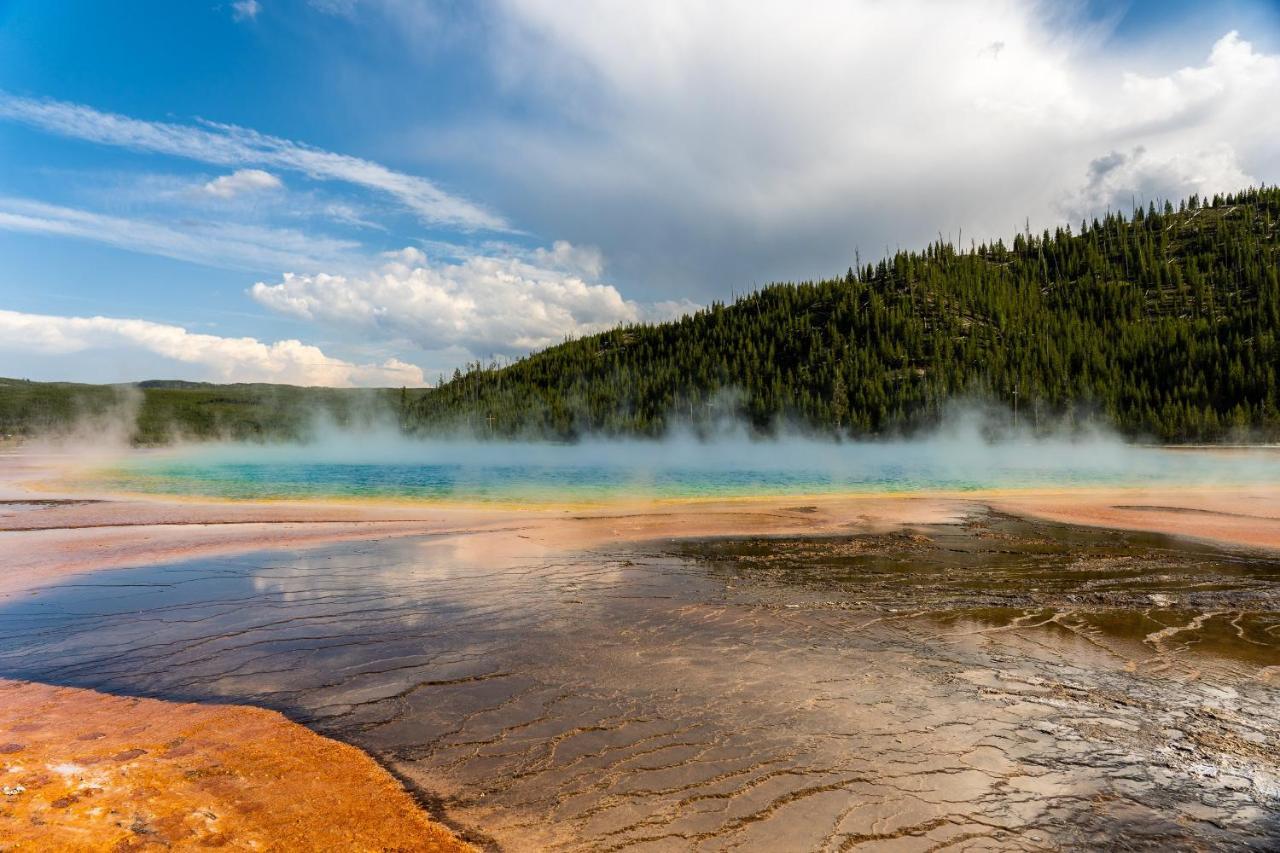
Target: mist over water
{"x": 967, "y": 454}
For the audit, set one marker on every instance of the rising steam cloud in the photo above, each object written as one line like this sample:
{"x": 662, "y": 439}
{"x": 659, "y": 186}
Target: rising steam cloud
{"x": 974, "y": 448}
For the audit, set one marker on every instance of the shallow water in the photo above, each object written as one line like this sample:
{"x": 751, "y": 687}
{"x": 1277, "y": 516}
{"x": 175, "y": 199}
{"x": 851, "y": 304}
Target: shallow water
{"x": 995, "y": 684}
{"x": 532, "y": 473}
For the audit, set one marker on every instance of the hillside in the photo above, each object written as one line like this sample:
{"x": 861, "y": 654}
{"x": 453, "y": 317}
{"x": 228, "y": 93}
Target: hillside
{"x": 1163, "y": 323}
{"x": 156, "y": 412}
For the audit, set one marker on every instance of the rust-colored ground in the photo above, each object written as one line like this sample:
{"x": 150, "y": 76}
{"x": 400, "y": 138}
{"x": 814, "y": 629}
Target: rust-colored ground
{"x": 85, "y": 771}
{"x": 1247, "y": 516}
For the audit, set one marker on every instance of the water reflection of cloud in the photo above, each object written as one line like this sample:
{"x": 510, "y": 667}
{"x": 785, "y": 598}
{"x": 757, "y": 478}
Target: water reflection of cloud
{"x": 637, "y": 686}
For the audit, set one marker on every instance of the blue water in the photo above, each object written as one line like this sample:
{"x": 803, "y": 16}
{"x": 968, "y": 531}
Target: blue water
{"x": 382, "y": 467}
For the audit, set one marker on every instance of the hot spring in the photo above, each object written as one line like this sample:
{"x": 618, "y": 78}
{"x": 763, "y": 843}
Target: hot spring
{"x": 387, "y": 466}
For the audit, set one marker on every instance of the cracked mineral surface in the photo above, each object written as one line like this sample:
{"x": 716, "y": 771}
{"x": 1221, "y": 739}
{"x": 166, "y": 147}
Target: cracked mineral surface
{"x": 991, "y": 684}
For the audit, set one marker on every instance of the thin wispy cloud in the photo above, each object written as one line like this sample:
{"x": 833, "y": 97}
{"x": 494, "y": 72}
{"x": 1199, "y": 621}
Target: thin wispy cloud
{"x": 227, "y": 245}
{"x": 233, "y": 146}
{"x": 245, "y": 10}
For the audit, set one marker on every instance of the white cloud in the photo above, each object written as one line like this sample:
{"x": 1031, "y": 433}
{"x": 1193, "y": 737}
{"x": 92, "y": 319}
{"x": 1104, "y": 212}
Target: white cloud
{"x": 228, "y": 145}
{"x": 243, "y": 10}
{"x": 1233, "y": 78}
{"x": 167, "y": 197}
{"x": 488, "y": 304}
{"x": 217, "y": 358}
{"x": 242, "y": 181}
{"x": 219, "y": 244}
{"x": 710, "y": 143}
{"x": 1122, "y": 179}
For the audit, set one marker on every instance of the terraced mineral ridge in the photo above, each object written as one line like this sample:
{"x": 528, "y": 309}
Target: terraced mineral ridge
{"x": 992, "y": 683}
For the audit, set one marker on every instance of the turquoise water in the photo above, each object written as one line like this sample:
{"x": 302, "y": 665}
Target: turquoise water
{"x": 381, "y": 467}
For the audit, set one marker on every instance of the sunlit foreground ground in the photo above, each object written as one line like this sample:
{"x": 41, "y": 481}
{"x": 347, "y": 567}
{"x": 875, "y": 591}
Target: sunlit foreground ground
{"x": 790, "y": 673}
{"x": 86, "y": 770}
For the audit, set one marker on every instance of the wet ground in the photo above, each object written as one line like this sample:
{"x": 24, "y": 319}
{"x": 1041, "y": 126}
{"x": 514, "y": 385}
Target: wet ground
{"x": 997, "y": 684}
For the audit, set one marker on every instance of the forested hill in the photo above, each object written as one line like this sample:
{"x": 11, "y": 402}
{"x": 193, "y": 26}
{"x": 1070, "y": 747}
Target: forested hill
{"x": 158, "y": 412}
{"x": 1163, "y": 322}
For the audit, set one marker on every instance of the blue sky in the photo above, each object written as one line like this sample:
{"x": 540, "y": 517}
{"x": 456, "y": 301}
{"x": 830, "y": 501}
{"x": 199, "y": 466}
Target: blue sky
{"x": 375, "y": 191}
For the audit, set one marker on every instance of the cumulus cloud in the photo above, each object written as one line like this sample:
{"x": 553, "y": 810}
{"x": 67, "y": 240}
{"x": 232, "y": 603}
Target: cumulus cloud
{"x": 228, "y": 145}
{"x": 1233, "y": 79}
{"x": 487, "y": 304}
{"x": 242, "y": 181}
{"x": 712, "y": 143}
{"x": 217, "y": 358}
{"x": 220, "y": 244}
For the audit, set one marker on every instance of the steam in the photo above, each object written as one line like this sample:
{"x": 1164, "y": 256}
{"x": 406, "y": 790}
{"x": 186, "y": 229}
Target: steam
{"x": 362, "y": 448}
{"x": 974, "y": 448}
{"x": 92, "y": 427}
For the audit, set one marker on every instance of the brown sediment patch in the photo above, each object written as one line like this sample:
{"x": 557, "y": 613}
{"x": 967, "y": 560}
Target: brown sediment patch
{"x": 770, "y": 516}
{"x": 1191, "y": 511}
{"x": 87, "y": 771}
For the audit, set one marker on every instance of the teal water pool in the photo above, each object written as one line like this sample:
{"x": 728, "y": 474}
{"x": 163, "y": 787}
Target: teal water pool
{"x": 551, "y": 473}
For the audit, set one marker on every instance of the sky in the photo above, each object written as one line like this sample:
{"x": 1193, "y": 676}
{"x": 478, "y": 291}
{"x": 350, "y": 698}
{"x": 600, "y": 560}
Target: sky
{"x": 374, "y": 192}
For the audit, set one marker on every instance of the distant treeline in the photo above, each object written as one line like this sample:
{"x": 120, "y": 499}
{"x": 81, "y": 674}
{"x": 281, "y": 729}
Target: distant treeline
{"x": 1162, "y": 322}
{"x": 159, "y": 412}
